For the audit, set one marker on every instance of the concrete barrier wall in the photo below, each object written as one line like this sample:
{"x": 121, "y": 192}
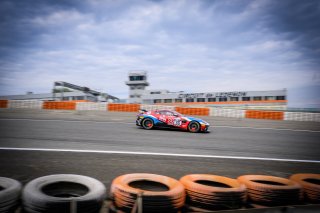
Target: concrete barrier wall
{"x": 16, "y": 104}
{"x": 234, "y": 113}
{"x": 193, "y": 111}
{"x": 59, "y": 105}
{"x": 124, "y": 107}
{"x": 200, "y": 111}
{"x": 157, "y": 107}
{"x": 92, "y": 106}
{"x": 260, "y": 114}
{"x": 301, "y": 116}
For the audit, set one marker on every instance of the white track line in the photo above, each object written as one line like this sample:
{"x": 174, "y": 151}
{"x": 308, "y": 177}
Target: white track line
{"x": 130, "y": 123}
{"x": 265, "y": 128}
{"x": 159, "y": 154}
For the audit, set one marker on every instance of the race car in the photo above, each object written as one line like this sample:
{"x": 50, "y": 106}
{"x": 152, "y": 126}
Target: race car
{"x": 170, "y": 119}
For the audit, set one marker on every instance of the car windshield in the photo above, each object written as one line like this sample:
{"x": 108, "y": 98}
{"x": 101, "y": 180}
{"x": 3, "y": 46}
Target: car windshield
{"x": 177, "y": 114}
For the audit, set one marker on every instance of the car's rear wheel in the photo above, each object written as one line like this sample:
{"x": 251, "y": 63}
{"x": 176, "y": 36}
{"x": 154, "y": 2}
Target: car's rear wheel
{"x": 194, "y": 127}
{"x": 147, "y": 123}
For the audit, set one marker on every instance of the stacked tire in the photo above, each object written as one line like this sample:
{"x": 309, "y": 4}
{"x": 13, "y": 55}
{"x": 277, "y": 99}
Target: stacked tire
{"x": 156, "y": 193}
{"x": 212, "y": 192}
{"x": 271, "y": 191}
{"x": 63, "y": 193}
{"x": 310, "y": 184}
{"x": 9, "y": 194}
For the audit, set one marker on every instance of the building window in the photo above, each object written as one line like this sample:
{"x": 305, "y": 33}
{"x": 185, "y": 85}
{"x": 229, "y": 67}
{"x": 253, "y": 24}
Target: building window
{"x": 246, "y": 98}
{"x": 257, "y": 98}
{"x": 211, "y": 99}
{"x": 189, "y": 100}
{"x": 90, "y": 98}
{"x": 132, "y": 87}
{"x": 79, "y": 98}
{"x": 234, "y": 99}
{"x": 269, "y": 98}
{"x": 280, "y": 98}
{"x": 156, "y": 101}
{"x": 131, "y": 96}
{"x": 178, "y": 100}
{"x": 223, "y": 99}
{"x": 136, "y": 78}
{"x": 168, "y": 100}
{"x": 65, "y": 98}
{"x": 201, "y": 99}
{"x": 155, "y": 92}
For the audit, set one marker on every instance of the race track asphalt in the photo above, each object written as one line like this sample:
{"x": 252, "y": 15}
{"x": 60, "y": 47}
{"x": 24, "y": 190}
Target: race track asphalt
{"x": 104, "y": 145}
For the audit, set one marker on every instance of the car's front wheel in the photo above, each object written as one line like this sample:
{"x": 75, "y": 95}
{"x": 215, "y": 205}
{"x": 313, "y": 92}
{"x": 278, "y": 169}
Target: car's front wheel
{"x": 147, "y": 123}
{"x": 194, "y": 127}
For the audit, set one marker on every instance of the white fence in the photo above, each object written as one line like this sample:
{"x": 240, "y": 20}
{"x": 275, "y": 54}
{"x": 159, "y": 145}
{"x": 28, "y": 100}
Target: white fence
{"x": 234, "y": 113}
{"x": 91, "y": 106}
{"x": 25, "y": 104}
{"x": 301, "y": 116}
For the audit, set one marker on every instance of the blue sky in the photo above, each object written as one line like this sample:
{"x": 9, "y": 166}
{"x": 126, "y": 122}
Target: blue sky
{"x": 189, "y": 45}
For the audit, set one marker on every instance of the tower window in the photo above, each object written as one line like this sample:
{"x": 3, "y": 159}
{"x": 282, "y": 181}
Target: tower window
{"x": 137, "y": 78}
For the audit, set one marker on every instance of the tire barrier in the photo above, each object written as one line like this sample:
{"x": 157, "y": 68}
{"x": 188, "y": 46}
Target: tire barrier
{"x": 310, "y": 184}
{"x": 142, "y": 192}
{"x": 193, "y": 111}
{"x": 63, "y": 193}
{"x": 212, "y": 192}
{"x": 124, "y": 107}
{"x": 157, "y": 193}
{"x": 271, "y": 191}
{"x": 9, "y": 194}
{"x": 60, "y": 105}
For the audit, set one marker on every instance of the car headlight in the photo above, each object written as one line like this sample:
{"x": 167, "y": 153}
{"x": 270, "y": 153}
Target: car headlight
{"x": 204, "y": 123}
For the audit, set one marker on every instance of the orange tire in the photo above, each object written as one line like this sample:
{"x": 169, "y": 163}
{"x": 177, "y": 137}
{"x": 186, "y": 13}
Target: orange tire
{"x": 125, "y": 194}
{"x": 271, "y": 190}
{"x": 310, "y": 184}
{"x": 213, "y": 192}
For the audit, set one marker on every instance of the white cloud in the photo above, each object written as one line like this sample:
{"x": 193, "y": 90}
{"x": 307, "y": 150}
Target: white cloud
{"x": 183, "y": 44}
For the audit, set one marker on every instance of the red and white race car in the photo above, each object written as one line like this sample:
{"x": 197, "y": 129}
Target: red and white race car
{"x": 170, "y": 119}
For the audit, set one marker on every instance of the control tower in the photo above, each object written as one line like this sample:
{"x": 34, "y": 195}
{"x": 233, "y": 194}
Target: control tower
{"x": 137, "y": 83}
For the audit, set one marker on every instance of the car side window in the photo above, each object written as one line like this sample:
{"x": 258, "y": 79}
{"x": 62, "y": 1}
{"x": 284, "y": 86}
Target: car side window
{"x": 169, "y": 113}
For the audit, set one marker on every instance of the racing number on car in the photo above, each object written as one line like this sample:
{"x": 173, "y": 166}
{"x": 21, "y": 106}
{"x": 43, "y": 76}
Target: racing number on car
{"x": 170, "y": 121}
{"x": 177, "y": 122}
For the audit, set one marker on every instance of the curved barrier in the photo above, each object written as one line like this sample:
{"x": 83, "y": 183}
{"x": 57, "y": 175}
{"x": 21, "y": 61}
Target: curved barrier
{"x": 212, "y": 192}
{"x": 157, "y": 193}
{"x": 271, "y": 190}
{"x": 142, "y": 192}
{"x": 310, "y": 184}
